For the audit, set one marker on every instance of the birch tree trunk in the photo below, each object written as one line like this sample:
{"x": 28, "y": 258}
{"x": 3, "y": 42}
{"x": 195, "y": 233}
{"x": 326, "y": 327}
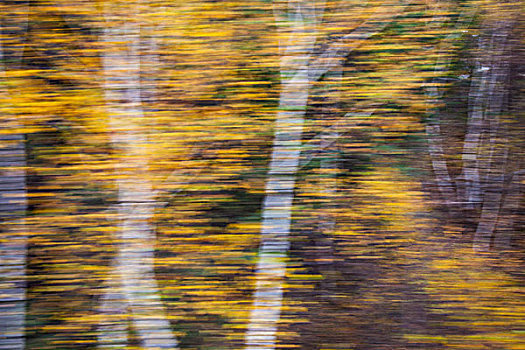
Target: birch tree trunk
{"x": 136, "y": 236}
{"x": 480, "y": 188}
{"x": 13, "y": 206}
{"x": 446, "y": 186}
{"x": 298, "y": 70}
{"x": 277, "y": 207}
{"x": 13, "y": 241}
{"x": 481, "y": 185}
{"x": 494, "y": 151}
{"x": 469, "y": 186}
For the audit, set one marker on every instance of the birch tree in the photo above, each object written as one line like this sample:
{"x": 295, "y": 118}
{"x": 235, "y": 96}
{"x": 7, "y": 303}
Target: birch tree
{"x": 299, "y": 69}
{"x": 13, "y": 195}
{"x": 134, "y": 263}
{"x": 484, "y": 177}
{"x": 13, "y": 242}
{"x": 489, "y": 103}
{"x": 277, "y": 207}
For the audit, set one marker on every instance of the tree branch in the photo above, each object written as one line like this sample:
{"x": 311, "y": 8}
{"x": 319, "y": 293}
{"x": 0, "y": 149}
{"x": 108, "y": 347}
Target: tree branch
{"x": 337, "y": 52}
{"x": 311, "y": 150}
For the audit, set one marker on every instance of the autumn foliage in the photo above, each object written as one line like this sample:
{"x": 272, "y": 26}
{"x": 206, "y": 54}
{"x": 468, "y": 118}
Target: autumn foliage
{"x": 261, "y": 174}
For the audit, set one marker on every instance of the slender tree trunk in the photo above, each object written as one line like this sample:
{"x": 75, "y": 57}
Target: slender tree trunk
{"x": 298, "y": 70}
{"x": 494, "y": 153}
{"x": 280, "y": 184}
{"x": 469, "y": 185}
{"x": 487, "y": 100}
{"x": 136, "y": 236}
{"x": 481, "y": 185}
{"x": 447, "y": 188}
{"x": 13, "y": 241}
{"x": 277, "y": 211}
{"x": 13, "y": 206}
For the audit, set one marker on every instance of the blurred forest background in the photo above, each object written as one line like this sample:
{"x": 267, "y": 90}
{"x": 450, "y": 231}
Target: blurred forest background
{"x": 306, "y": 174}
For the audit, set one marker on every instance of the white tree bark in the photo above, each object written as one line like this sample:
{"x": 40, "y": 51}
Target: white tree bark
{"x": 469, "y": 188}
{"x": 277, "y": 207}
{"x": 298, "y": 71}
{"x": 494, "y": 151}
{"x": 484, "y": 156}
{"x": 436, "y": 150}
{"x": 135, "y": 259}
{"x": 487, "y": 100}
{"x": 276, "y": 216}
{"x": 13, "y": 240}
{"x": 13, "y": 206}
{"x": 481, "y": 184}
